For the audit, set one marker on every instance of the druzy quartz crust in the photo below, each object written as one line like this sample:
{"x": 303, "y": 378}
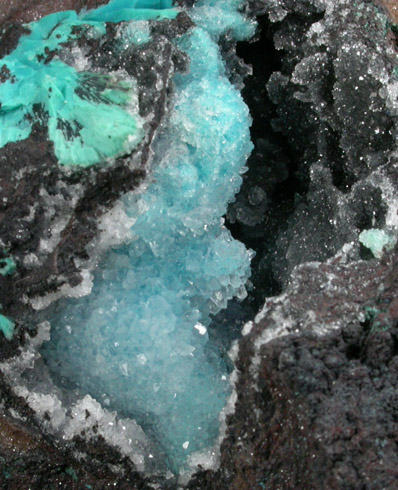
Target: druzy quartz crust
{"x": 138, "y": 342}
{"x": 125, "y": 262}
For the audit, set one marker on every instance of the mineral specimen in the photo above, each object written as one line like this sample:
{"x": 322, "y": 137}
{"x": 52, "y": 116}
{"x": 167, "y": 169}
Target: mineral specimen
{"x": 109, "y": 77}
{"x": 139, "y": 339}
{"x": 139, "y": 241}
{"x": 90, "y": 116}
{"x": 377, "y": 241}
{"x": 7, "y": 327}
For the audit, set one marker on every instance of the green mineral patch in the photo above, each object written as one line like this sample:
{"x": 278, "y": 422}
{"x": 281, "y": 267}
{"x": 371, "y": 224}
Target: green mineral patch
{"x": 126, "y": 10}
{"x": 377, "y": 320}
{"x": 377, "y": 241}
{"x": 7, "y": 327}
{"x": 7, "y": 266}
{"x": 91, "y": 117}
{"x": 72, "y": 473}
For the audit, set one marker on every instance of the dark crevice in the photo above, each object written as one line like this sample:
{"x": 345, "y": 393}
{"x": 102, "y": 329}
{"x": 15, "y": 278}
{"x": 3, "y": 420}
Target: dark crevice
{"x": 297, "y": 170}
{"x": 250, "y": 217}
{"x": 277, "y": 174}
{"x": 342, "y": 178}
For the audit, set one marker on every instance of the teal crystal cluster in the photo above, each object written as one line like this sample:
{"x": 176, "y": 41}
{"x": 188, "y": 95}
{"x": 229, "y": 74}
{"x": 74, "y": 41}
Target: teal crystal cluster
{"x": 139, "y": 342}
{"x": 90, "y": 116}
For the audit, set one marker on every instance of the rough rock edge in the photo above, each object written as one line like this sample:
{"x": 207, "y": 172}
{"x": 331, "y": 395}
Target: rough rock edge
{"x": 303, "y": 420}
{"x": 33, "y": 184}
{"x": 246, "y": 471}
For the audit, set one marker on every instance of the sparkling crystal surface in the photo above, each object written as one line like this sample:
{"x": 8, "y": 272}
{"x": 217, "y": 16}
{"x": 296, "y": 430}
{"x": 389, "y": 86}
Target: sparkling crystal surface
{"x": 139, "y": 341}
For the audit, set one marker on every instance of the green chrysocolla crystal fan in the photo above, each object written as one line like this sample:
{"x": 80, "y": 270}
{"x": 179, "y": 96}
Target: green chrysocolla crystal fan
{"x": 90, "y": 116}
{"x": 139, "y": 341}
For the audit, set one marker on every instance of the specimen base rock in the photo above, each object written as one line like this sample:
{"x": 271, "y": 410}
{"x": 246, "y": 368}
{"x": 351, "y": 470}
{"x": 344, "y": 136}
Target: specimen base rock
{"x": 317, "y": 387}
{"x": 49, "y": 214}
{"x": 318, "y": 368}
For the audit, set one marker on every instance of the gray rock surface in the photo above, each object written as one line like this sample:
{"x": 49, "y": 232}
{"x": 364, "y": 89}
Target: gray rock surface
{"x": 317, "y": 369}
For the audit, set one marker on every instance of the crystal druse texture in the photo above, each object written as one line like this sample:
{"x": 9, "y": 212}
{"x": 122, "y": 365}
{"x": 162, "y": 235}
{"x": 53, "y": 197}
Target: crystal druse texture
{"x": 138, "y": 343}
{"x": 313, "y": 391}
{"x": 104, "y": 79}
{"x": 318, "y": 366}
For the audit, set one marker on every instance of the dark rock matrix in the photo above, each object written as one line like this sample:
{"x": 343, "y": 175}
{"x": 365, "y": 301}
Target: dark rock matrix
{"x": 316, "y": 369}
{"x": 316, "y": 376}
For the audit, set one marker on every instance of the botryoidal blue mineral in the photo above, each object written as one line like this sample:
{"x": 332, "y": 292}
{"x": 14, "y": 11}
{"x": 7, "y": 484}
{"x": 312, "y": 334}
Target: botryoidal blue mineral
{"x": 138, "y": 343}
